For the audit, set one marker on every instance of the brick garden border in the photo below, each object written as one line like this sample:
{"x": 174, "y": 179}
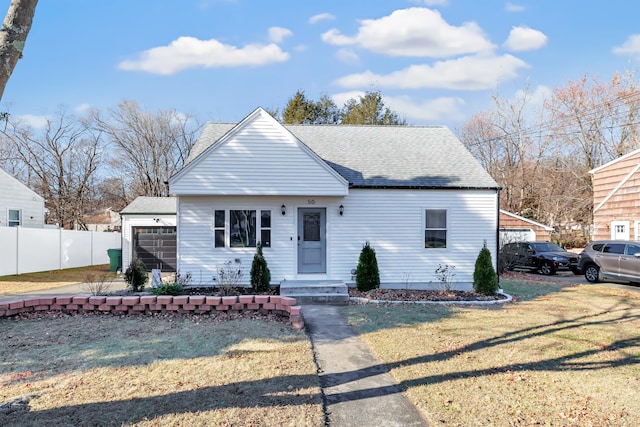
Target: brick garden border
{"x": 146, "y": 304}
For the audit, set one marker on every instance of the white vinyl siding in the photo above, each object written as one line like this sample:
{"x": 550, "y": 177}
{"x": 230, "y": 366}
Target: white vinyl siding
{"x": 259, "y": 158}
{"x": 16, "y": 196}
{"x": 391, "y": 220}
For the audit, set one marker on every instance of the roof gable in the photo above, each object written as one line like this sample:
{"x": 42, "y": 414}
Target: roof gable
{"x": 378, "y": 156}
{"x": 258, "y": 156}
{"x": 9, "y": 180}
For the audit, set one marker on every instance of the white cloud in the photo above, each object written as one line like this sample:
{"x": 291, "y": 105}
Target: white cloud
{"x": 341, "y": 98}
{"x": 82, "y": 108}
{"x": 538, "y": 96}
{"x": 512, "y": 7}
{"x": 418, "y": 32}
{"x": 630, "y": 47}
{"x": 347, "y": 56}
{"x": 36, "y": 122}
{"x": 278, "y": 34}
{"x": 321, "y": 17}
{"x": 525, "y": 38}
{"x": 466, "y": 73}
{"x": 432, "y": 111}
{"x": 190, "y": 52}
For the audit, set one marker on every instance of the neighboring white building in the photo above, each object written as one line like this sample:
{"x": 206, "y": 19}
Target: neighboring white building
{"x": 314, "y": 195}
{"x": 19, "y": 205}
{"x": 149, "y": 232}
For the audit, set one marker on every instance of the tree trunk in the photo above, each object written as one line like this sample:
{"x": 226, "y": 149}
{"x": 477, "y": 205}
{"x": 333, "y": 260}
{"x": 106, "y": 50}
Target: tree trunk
{"x": 13, "y": 36}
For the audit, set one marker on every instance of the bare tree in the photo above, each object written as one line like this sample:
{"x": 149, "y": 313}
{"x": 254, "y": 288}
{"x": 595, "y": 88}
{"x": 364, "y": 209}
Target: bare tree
{"x": 502, "y": 140}
{"x": 61, "y": 163}
{"x": 148, "y": 147}
{"x": 15, "y": 29}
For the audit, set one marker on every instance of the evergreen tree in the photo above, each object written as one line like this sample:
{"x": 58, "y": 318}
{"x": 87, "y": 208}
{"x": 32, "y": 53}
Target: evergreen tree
{"x": 367, "y": 273}
{"x": 485, "y": 278}
{"x": 369, "y": 110}
{"x": 260, "y": 274}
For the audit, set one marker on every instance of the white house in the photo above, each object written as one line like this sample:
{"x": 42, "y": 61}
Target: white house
{"x": 314, "y": 195}
{"x": 19, "y": 205}
{"x": 149, "y": 232}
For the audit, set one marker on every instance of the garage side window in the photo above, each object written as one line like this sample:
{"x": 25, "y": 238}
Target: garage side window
{"x": 435, "y": 229}
{"x": 219, "y": 225}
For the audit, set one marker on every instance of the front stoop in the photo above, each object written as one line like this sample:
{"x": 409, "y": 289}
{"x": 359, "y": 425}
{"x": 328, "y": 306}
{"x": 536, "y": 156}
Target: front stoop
{"x": 316, "y": 291}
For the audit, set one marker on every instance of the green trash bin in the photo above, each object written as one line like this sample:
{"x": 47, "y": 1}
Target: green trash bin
{"x": 115, "y": 259}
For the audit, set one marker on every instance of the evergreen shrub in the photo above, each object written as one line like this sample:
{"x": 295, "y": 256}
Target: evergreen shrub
{"x": 367, "y": 273}
{"x": 260, "y": 274}
{"x": 136, "y": 275}
{"x": 485, "y": 278}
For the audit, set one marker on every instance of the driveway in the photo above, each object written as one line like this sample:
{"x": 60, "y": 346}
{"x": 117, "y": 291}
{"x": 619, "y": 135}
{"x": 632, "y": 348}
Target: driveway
{"x": 568, "y": 277}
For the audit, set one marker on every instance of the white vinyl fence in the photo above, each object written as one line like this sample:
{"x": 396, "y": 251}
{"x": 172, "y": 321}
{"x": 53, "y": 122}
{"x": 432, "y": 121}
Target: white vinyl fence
{"x": 27, "y": 250}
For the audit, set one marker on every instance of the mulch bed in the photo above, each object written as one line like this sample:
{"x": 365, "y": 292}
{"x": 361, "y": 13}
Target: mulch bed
{"x": 416, "y": 295}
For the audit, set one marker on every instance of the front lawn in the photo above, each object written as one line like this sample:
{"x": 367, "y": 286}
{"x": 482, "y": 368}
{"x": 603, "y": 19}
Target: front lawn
{"x": 164, "y": 370}
{"x": 561, "y": 355}
{"x": 29, "y": 282}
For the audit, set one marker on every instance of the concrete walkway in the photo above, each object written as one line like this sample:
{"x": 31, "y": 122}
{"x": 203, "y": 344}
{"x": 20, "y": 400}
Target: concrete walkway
{"x": 358, "y": 390}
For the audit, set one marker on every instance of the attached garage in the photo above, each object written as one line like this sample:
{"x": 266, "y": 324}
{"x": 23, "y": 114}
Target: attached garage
{"x": 149, "y": 232}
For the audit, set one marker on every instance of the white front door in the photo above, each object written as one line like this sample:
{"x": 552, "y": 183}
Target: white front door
{"x": 312, "y": 247}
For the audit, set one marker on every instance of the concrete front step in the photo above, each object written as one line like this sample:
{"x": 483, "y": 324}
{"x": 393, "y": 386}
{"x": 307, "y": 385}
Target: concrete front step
{"x": 315, "y": 291}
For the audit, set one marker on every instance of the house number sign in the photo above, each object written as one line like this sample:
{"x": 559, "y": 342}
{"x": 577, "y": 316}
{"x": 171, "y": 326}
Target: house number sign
{"x": 311, "y": 202}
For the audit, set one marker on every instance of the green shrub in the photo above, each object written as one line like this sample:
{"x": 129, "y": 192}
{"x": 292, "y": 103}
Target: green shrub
{"x": 260, "y": 274}
{"x": 136, "y": 275}
{"x": 167, "y": 289}
{"x": 485, "y": 279}
{"x": 367, "y": 273}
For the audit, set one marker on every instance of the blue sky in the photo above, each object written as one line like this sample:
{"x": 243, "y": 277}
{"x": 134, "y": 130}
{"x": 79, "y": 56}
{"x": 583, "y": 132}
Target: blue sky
{"x": 436, "y": 62}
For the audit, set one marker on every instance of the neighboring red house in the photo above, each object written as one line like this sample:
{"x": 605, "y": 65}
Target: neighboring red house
{"x": 515, "y": 228}
{"x": 616, "y": 198}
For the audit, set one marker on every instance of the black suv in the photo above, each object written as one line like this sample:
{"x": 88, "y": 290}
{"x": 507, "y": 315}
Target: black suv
{"x": 545, "y": 257}
{"x": 611, "y": 261}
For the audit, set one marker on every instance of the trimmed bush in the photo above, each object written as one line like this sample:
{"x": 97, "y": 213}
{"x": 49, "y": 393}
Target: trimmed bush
{"x": 367, "y": 273}
{"x": 136, "y": 275}
{"x": 167, "y": 289}
{"x": 260, "y": 274}
{"x": 485, "y": 279}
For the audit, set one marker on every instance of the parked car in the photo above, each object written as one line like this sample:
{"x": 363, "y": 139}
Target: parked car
{"x": 545, "y": 257}
{"x": 611, "y": 261}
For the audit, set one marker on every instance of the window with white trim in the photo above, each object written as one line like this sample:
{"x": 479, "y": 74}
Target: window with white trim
{"x": 242, "y": 228}
{"x": 435, "y": 228}
{"x": 14, "y": 219}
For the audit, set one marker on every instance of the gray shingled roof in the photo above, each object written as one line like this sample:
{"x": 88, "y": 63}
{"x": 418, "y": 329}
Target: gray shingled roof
{"x": 383, "y": 156}
{"x": 151, "y": 206}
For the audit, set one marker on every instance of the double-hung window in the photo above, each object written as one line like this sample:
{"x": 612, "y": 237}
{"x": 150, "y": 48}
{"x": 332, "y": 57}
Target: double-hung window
{"x": 435, "y": 228}
{"x": 14, "y": 218}
{"x": 242, "y": 228}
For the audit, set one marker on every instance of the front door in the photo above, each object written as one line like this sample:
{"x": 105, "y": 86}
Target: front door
{"x": 312, "y": 247}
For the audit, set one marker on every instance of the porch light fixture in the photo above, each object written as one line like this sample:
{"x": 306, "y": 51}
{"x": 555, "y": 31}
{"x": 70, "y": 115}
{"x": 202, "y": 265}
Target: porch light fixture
{"x": 283, "y": 209}
{"x": 341, "y": 210}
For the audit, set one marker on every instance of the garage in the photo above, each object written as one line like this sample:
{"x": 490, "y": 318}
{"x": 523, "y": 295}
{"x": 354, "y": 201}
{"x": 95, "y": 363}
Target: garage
{"x": 155, "y": 246}
{"x": 149, "y": 232}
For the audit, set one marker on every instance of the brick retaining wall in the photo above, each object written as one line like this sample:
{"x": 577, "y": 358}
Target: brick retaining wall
{"x": 285, "y": 306}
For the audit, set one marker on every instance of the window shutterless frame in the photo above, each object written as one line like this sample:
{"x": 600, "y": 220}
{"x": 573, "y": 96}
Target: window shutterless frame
{"x": 435, "y": 228}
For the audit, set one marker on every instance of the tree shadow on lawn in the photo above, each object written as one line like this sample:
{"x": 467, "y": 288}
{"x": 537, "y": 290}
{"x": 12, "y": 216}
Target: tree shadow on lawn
{"x": 564, "y": 363}
{"x": 270, "y": 392}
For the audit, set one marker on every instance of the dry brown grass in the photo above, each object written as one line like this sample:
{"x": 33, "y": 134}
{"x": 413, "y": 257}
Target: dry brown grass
{"x": 560, "y": 356}
{"x": 29, "y": 282}
{"x": 151, "y": 371}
